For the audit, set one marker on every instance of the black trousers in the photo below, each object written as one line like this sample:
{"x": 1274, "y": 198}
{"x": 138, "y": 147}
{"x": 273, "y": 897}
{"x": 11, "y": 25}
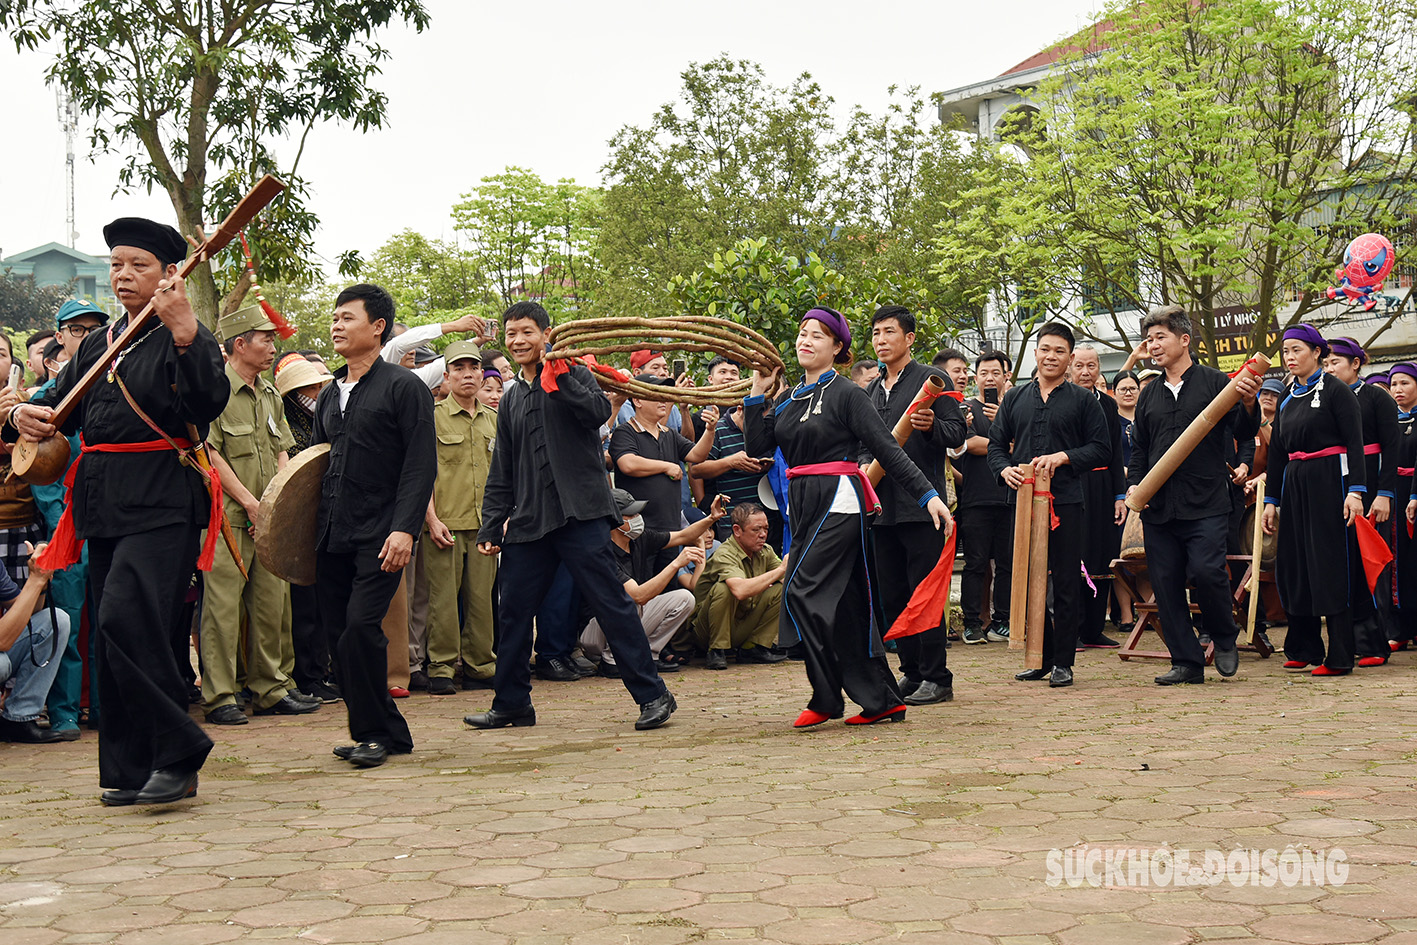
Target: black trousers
{"x": 139, "y": 585}
{"x": 1305, "y": 642}
{"x": 987, "y": 532}
{"x": 353, "y": 594}
{"x": 1191, "y": 551}
{"x": 526, "y": 574}
{"x": 312, "y": 647}
{"x": 824, "y": 599}
{"x": 1060, "y": 626}
{"x": 904, "y": 555}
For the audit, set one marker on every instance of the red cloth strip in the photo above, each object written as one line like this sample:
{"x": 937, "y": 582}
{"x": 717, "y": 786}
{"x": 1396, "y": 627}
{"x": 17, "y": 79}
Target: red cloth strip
{"x": 1052, "y": 516}
{"x": 65, "y": 547}
{"x": 1372, "y": 449}
{"x": 554, "y": 367}
{"x": 932, "y": 595}
{"x": 1327, "y": 451}
{"x": 1406, "y": 470}
{"x": 842, "y": 468}
{"x": 1247, "y": 366}
{"x": 1374, "y": 551}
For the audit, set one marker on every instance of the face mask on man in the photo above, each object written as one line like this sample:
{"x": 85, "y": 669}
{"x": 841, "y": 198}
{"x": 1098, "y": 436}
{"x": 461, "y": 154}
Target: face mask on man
{"x": 634, "y": 527}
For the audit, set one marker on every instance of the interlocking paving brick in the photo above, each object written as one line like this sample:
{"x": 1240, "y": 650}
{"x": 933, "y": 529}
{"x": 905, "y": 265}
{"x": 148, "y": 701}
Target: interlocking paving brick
{"x": 727, "y": 825}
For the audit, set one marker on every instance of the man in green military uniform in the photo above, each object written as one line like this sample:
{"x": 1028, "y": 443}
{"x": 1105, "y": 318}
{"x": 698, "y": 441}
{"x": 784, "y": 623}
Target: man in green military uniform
{"x": 467, "y": 430}
{"x": 249, "y": 443}
{"x": 739, "y": 595}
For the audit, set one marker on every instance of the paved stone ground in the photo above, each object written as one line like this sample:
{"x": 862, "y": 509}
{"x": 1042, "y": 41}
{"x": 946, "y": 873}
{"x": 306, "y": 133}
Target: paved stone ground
{"x": 729, "y": 825}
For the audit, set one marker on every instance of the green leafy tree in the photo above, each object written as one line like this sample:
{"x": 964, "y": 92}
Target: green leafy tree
{"x": 426, "y": 277}
{"x": 532, "y": 239}
{"x": 734, "y": 157}
{"x": 195, "y": 96}
{"x": 1215, "y": 154}
{"x": 25, "y": 306}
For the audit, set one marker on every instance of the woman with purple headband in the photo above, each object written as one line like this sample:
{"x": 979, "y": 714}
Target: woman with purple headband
{"x": 1380, "y": 435}
{"x": 826, "y": 599}
{"x": 1398, "y": 587}
{"x": 1315, "y": 457}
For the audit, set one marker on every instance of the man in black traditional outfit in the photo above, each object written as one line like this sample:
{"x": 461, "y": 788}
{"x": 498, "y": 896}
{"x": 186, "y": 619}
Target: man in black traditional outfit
{"x": 378, "y": 419}
{"x": 1060, "y": 429}
{"x": 547, "y": 503}
{"x": 1103, "y": 509}
{"x": 1188, "y": 519}
{"x": 142, "y": 510}
{"x": 906, "y": 543}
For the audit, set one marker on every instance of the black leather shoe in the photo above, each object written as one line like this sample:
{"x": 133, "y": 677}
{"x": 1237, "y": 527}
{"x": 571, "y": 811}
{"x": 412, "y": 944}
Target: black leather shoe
{"x": 1062, "y": 676}
{"x": 346, "y": 752}
{"x": 1032, "y": 675}
{"x": 441, "y": 686}
{"x": 1227, "y": 662}
{"x": 367, "y": 755}
{"x": 418, "y": 681}
{"x": 582, "y": 666}
{"x": 1178, "y": 675}
{"x": 166, "y": 785}
{"x": 609, "y": 670}
{"x": 662, "y": 667}
{"x": 496, "y": 718}
{"x": 906, "y": 685}
{"x": 556, "y": 670}
{"x": 797, "y": 651}
{"x": 229, "y": 714}
{"x": 717, "y": 659}
{"x": 928, "y": 693}
{"x": 656, "y": 712}
{"x": 27, "y": 731}
{"x": 289, "y": 706}
{"x": 759, "y": 654}
{"x": 299, "y": 696}
{"x": 118, "y": 798}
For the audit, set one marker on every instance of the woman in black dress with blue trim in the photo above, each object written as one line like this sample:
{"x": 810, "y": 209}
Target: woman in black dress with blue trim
{"x": 827, "y": 592}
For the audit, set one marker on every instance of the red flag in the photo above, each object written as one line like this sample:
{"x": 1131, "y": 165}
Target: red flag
{"x": 1374, "y": 550}
{"x": 930, "y": 599}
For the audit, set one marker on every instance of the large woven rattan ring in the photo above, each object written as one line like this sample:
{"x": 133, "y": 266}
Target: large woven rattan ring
{"x": 617, "y": 335}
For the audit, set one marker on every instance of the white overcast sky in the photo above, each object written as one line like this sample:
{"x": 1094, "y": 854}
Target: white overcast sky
{"x": 542, "y": 86}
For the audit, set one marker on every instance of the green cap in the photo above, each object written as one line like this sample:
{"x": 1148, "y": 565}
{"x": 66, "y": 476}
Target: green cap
{"x": 250, "y": 318}
{"x": 460, "y": 350}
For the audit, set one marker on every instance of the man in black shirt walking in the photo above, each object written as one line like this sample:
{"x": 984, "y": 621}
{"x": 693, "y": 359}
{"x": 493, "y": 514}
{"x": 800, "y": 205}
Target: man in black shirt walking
{"x": 547, "y": 503}
{"x": 378, "y": 419}
{"x": 1060, "y": 429}
{"x": 1188, "y": 518}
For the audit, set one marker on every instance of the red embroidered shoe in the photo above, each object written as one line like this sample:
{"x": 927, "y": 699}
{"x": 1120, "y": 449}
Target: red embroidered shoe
{"x": 1295, "y": 664}
{"x": 1372, "y": 661}
{"x": 398, "y": 692}
{"x": 1329, "y": 671}
{"x": 890, "y": 715}
{"x": 1396, "y": 645}
{"x": 808, "y": 718}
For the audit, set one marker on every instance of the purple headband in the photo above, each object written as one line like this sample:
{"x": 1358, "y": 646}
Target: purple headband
{"x": 1404, "y": 367}
{"x": 1310, "y": 336}
{"x": 491, "y": 372}
{"x": 835, "y": 323}
{"x": 1348, "y": 348}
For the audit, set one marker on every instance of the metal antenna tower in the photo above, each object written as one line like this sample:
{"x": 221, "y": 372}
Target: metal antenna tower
{"x": 69, "y": 122}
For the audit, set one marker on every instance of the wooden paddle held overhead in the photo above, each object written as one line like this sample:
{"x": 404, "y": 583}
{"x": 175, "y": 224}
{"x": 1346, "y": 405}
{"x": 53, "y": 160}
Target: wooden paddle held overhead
{"x": 45, "y": 461}
{"x": 1191, "y": 437}
{"x": 930, "y": 391}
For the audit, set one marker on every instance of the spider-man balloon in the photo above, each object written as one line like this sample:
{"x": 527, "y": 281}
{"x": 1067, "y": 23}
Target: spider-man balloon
{"x": 1366, "y": 262}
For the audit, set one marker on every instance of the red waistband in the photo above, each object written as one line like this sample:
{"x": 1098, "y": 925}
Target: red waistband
{"x": 65, "y": 547}
{"x": 841, "y": 468}
{"x": 1327, "y": 451}
{"x": 1099, "y": 469}
{"x": 1405, "y": 470}
{"x": 1372, "y": 449}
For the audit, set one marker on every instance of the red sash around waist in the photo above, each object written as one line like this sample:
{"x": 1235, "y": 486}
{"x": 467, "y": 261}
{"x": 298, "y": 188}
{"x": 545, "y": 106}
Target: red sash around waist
{"x": 64, "y": 548}
{"x": 1372, "y": 449}
{"x": 842, "y": 468}
{"x": 1327, "y": 451}
{"x": 1405, "y": 470}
